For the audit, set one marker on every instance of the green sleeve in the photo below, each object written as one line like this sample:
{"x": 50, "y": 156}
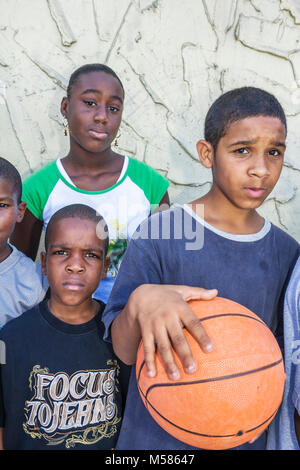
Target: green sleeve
{"x": 149, "y": 180}
{"x": 37, "y": 188}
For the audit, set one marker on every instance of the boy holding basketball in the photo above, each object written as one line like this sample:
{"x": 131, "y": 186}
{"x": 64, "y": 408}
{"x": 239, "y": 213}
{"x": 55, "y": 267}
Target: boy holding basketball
{"x": 218, "y": 242}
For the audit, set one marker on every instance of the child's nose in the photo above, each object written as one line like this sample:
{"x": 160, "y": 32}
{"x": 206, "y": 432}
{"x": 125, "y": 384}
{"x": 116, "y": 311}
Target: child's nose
{"x": 260, "y": 166}
{"x": 100, "y": 113}
{"x": 75, "y": 265}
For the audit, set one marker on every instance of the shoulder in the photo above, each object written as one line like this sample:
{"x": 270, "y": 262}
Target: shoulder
{"x": 138, "y": 166}
{"x": 38, "y": 186}
{"x": 41, "y": 182}
{"x": 146, "y": 177}
{"x": 284, "y": 242}
{"x": 162, "y": 226}
{"x": 17, "y": 327}
{"x": 50, "y": 170}
{"x": 140, "y": 169}
{"x": 283, "y": 236}
{"x": 25, "y": 275}
{"x": 21, "y": 261}
{"x": 285, "y": 251}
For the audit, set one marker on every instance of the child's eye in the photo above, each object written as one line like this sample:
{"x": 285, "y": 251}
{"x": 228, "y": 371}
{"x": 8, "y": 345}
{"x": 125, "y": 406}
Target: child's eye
{"x": 90, "y": 103}
{"x": 60, "y": 252}
{"x": 241, "y": 150}
{"x": 275, "y": 153}
{"x": 3, "y": 205}
{"x": 92, "y": 255}
{"x": 113, "y": 109}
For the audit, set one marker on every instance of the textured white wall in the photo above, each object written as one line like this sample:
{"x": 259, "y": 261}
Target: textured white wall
{"x": 175, "y": 57}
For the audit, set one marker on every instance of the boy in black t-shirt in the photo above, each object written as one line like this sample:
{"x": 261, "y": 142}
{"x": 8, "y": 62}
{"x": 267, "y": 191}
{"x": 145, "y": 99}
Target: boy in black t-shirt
{"x": 60, "y": 383}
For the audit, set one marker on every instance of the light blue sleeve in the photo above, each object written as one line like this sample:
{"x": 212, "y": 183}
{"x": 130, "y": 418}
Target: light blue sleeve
{"x": 294, "y": 306}
{"x": 281, "y": 432}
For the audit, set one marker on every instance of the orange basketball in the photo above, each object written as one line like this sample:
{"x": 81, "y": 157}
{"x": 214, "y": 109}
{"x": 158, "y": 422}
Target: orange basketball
{"x": 237, "y": 388}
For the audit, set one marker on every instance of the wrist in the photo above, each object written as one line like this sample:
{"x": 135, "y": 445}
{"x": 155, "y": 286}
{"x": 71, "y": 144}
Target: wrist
{"x": 137, "y": 302}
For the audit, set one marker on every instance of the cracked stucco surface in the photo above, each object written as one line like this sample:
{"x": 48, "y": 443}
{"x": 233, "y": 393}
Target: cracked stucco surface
{"x": 175, "y": 57}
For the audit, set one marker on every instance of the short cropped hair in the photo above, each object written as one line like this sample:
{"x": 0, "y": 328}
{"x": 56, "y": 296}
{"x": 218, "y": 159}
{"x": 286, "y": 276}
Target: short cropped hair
{"x": 83, "y": 212}
{"x": 9, "y": 173}
{"x": 238, "y": 104}
{"x": 88, "y": 68}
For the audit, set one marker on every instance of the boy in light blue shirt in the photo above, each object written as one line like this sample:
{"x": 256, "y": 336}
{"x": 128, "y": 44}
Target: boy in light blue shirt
{"x": 22, "y": 284}
{"x": 284, "y": 432}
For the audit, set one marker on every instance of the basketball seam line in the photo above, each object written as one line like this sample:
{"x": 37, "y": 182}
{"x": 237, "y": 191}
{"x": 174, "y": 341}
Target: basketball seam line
{"x": 191, "y": 383}
{"x": 212, "y": 379}
{"x": 207, "y": 435}
{"x": 233, "y": 315}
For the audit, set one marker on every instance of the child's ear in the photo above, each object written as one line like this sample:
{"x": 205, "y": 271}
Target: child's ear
{"x": 21, "y": 211}
{"x": 43, "y": 258}
{"x": 105, "y": 268}
{"x": 64, "y": 106}
{"x": 206, "y": 153}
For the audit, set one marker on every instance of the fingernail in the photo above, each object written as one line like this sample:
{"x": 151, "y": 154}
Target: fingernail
{"x": 191, "y": 368}
{"x": 208, "y": 347}
{"x": 151, "y": 373}
{"x": 175, "y": 375}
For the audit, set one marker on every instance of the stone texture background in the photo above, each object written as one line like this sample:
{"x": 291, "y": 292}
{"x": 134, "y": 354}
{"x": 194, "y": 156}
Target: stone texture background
{"x": 175, "y": 57}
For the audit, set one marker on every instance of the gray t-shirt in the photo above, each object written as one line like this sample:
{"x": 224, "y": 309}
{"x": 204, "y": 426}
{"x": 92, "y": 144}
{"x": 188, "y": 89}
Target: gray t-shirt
{"x": 177, "y": 247}
{"x": 22, "y": 285}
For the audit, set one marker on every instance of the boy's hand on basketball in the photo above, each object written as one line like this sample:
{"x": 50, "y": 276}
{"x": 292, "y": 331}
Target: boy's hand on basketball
{"x": 162, "y": 312}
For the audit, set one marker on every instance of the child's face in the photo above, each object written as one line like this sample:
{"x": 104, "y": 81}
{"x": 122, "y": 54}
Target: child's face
{"x": 10, "y": 213}
{"x": 248, "y": 160}
{"x": 94, "y": 110}
{"x": 74, "y": 262}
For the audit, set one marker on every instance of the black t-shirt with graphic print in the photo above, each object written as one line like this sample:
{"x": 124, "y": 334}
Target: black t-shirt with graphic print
{"x": 61, "y": 386}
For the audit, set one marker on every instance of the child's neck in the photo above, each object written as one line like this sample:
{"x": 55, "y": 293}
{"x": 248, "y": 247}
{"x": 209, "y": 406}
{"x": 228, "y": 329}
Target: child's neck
{"x": 5, "y": 251}
{"x": 74, "y": 315}
{"x": 93, "y": 172}
{"x": 79, "y": 159}
{"x": 226, "y": 217}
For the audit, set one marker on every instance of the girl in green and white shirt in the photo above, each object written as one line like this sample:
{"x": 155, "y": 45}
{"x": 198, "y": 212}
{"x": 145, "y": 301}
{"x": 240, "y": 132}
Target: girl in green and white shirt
{"x": 123, "y": 190}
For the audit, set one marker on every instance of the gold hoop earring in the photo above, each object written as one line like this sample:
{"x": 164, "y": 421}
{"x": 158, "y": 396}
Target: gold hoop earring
{"x": 65, "y": 126}
{"x": 116, "y": 143}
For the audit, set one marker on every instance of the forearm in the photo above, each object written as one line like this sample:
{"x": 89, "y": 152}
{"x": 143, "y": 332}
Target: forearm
{"x": 126, "y": 332}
